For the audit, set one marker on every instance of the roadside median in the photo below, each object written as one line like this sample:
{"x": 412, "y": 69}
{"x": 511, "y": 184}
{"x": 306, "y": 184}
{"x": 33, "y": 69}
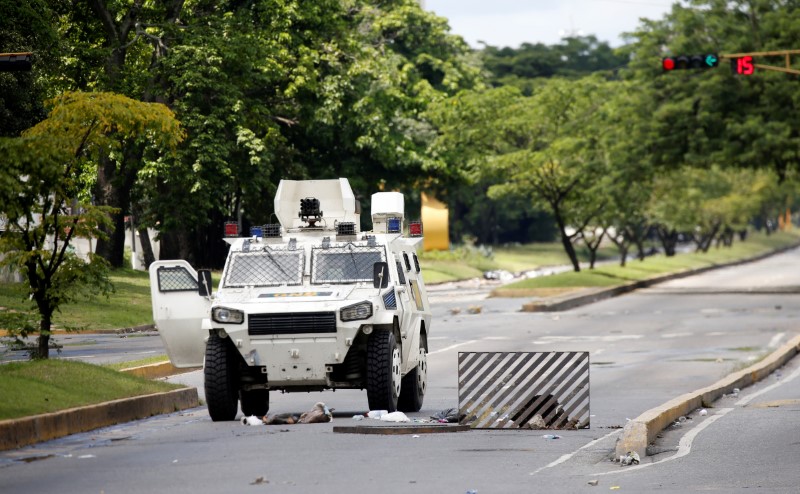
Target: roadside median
{"x": 587, "y": 295}
{"x": 642, "y": 430}
{"x": 16, "y": 433}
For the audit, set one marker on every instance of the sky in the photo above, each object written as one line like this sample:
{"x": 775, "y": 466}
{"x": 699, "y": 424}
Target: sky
{"x": 513, "y": 22}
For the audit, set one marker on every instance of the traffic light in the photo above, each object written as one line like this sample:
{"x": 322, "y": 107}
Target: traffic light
{"x": 683, "y": 62}
{"x": 743, "y": 65}
{"x": 15, "y": 62}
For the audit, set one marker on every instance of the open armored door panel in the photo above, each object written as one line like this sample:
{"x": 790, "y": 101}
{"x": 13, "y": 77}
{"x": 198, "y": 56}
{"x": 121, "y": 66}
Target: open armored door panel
{"x": 178, "y": 311}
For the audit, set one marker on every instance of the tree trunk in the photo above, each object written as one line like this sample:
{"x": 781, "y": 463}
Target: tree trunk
{"x": 43, "y": 349}
{"x": 147, "y": 248}
{"x": 566, "y": 240}
{"x": 621, "y": 242}
{"x": 669, "y": 238}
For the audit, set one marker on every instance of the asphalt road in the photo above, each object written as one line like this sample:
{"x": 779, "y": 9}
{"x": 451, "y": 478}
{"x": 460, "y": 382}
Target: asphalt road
{"x": 646, "y": 348}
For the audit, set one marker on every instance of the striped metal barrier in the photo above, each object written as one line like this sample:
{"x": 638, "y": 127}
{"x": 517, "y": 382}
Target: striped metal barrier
{"x": 527, "y": 390}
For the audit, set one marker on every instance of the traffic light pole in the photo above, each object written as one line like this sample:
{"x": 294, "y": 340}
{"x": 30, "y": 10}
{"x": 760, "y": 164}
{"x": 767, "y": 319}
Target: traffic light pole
{"x": 785, "y": 53}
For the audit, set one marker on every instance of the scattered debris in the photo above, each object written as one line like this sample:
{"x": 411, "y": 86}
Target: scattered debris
{"x": 455, "y": 311}
{"x": 593, "y": 482}
{"x": 551, "y": 436}
{"x": 415, "y": 435}
{"x": 537, "y": 422}
{"x": 614, "y": 488}
{"x": 395, "y": 417}
{"x": 358, "y": 417}
{"x": 259, "y": 480}
{"x": 450, "y": 415}
{"x": 376, "y": 414}
{"x": 252, "y": 420}
{"x": 319, "y": 414}
{"x": 475, "y": 309}
{"x": 632, "y": 458}
{"x": 703, "y": 412}
{"x": 280, "y": 419}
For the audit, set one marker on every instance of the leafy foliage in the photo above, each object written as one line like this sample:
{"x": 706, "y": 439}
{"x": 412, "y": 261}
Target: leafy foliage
{"x": 42, "y": 183}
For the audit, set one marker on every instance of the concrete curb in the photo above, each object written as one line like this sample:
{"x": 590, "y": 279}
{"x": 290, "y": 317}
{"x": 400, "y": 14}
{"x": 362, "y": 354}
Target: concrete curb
{"x": 642, "y": 430}
{"x": 591, "y": 295}
{"x": 16, "y": 433}
{"x": 158, "y": 370}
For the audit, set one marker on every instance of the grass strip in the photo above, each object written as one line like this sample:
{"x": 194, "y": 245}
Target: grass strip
{"x": 44, "y": 386}
{"x": 609, "y": 275}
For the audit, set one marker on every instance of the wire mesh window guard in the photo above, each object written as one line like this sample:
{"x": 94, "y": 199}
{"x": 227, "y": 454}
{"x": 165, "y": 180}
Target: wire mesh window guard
{"x": 175, "y": 279}
{"x": 347, "y": 263}
{"x": 266, "y": 267}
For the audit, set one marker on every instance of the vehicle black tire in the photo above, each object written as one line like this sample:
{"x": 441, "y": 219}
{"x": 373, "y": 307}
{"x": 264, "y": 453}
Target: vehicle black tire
{"x": 221, "y": 379}
{"x": 414, "y": 384}
{"x": 255, "y": 402}
{"x": 383, "y": 371}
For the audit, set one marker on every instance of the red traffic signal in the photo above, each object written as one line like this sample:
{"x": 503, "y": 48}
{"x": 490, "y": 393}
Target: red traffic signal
{"x": 15, "y": 62}
{"x": 743, "y": 65}
{"x": 682, "y": 62}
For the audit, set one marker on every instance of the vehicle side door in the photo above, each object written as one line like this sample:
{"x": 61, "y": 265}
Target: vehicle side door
{"x": 179, "y": 311}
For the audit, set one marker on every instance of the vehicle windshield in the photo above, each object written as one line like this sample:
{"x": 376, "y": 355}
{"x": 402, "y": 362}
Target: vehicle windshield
{"x": 267, "y": 267}
{"x": 346, "y": 264}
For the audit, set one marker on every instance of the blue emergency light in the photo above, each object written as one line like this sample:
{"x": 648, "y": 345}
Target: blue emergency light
{"x": 393, "y": 225}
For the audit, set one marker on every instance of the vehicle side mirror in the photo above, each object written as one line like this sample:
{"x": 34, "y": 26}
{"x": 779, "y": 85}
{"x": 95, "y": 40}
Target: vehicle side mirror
{"x": 204, "y": 282}
{"x": 380, "y": 275}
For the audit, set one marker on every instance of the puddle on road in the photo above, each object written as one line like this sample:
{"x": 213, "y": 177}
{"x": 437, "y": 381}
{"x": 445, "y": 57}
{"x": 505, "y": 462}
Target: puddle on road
{"x": 776, "y": 404}
{"x": 31, "y": 459}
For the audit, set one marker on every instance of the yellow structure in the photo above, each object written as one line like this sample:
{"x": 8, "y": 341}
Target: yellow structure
{"x": 435, "y": 223}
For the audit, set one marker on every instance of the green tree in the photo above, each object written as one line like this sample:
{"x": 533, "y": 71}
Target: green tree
{"x": 45, "y": 197}
{"x": 26, "y": 27}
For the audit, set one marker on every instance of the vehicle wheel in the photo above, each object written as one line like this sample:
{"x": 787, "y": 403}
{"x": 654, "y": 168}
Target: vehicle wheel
{"x": 255, "y": 402}
{"x": 413, "y": 386}
{"x": 221, "y": 379}
{"x": 383, "y": 371}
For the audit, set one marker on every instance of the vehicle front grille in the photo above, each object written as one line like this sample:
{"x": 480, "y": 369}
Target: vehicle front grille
{"x": 291, "y": 323}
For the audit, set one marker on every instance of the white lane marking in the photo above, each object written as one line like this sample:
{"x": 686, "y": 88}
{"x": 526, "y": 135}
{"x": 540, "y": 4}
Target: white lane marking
{"x": 675, "y": 335}
{"x": 599, "y": 351}
{"x": 567, "y": 456}
{"x": 684, "y": 445}
{"x": 586, "y": 339}
{"x": 452, "y": 346}
{"x": 431, "y": 338}
{"x": 496, "y": 338}
{"x": 749, "y": 398}
{"x": 776, "y": 340}
{"x": 717, "y": 333}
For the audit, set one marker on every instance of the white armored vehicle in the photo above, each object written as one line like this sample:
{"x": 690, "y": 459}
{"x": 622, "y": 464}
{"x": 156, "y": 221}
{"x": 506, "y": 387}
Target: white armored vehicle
{"x": 305, "y": 305}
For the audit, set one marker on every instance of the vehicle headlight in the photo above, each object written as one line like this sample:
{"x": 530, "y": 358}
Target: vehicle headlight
{"x": 361, "y": 310}
{"x": 227, "y": 316}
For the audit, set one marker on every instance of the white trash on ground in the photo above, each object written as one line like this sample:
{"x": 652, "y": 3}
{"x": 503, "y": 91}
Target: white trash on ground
{"x": 395, "y": 417}
{"x": 252, "y": 420}
{"x": 376, "y": 414}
